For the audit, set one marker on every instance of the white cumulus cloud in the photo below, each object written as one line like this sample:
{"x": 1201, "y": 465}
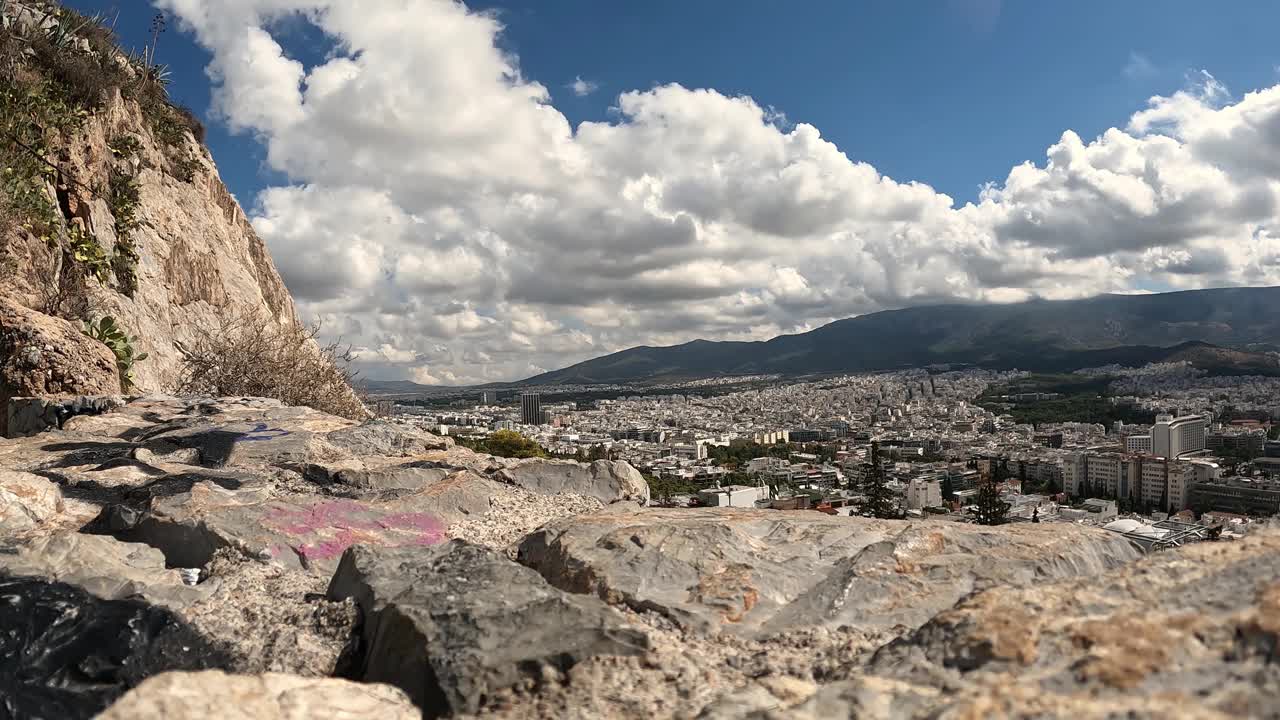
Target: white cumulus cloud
{"x": 444, "y": 216}
{"x": 583, "y": 88}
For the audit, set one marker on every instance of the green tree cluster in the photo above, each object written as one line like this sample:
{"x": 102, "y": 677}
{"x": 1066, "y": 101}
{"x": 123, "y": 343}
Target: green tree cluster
{"x": 505, "y": 443}
{"x": 663, "y": 489}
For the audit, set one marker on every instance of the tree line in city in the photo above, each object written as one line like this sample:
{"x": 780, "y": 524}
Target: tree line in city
{"x": 878, "y": 500}
{"x": 511, "y": 444}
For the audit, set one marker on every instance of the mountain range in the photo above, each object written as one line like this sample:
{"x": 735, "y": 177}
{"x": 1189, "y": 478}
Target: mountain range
{"x": 1224, "y": 327}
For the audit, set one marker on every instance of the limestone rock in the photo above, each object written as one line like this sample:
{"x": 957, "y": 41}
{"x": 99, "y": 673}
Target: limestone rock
{"x": 290, "y": 486}
{"x": 454, "y": 624}
{"x": 604, "y": 480}
{"x": 863, "y": 697}
{"x": 768, "y": 571}
{"x": 103, "y": 566}
{"x": 388, "y": 439}
{"x": 29, "y": 416}
{"x": 199, "y": 259}
{"x": 41, "y": 355}
{"x": 410, "y": 476}
{"x": 1190, "y": 632}
{"x": 306, "y": 531}
{"x": 463, "y": 458}
{"x": 26, "y": 501}
{"x": 269, "y": 619}
{"x": 273, "y": 696}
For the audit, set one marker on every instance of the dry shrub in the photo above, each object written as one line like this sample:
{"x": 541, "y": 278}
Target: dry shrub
{"x": 86, "y": 78}
{"x": 252, "y": 354}
{"x": 63, "y": 286}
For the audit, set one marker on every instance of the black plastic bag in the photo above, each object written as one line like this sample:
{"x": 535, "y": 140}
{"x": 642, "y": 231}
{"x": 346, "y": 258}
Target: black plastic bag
{"x": 65, "y": 654}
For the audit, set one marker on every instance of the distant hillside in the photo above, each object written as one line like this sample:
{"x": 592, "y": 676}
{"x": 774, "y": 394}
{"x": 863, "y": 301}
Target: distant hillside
{"x": 1040, "y": 335}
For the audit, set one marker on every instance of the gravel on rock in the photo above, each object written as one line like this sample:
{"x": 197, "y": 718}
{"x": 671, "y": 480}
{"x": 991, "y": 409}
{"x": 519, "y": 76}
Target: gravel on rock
{"x": 684, "y": 672}
{"x": 516, "y": 512}
{"x": 269, "y": 619}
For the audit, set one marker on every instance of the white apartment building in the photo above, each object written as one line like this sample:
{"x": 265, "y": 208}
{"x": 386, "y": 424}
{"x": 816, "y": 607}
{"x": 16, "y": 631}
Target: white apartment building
{"x": 1042, "y": 470}
{"x": 764, "y": 464}
{"x": 1138, "y": 444}
{"x": 1093, "y": 474}
{"x": 1165, "y": 481}
{"x": 689, "y": 451}
{"x": 1150, "y": 480}
{"x": 922, "y": 493}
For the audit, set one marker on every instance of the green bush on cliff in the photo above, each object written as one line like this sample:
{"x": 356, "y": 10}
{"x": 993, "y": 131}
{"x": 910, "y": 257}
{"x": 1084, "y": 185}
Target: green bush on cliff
{"x": 107, "y": 331}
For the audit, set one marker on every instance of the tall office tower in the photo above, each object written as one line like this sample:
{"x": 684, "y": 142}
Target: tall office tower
{"x": 1172, "y": 437}
{"x": 489, "y": 397}
{"x": 531, "y": 408}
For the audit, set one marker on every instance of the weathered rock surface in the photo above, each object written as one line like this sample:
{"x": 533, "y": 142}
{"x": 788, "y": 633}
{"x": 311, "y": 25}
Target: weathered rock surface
{"x": 718, "y": 612}
{"x": 606, "y": 481}
{"x": 454, "y": 624}
{"x": 26, "y": 501}
{"x": 104, "y": 566}
{"x": 272, "y": 696}
{"x": 31, "y": 415}
{"x": 1192, "y": 632}
{"x": 767, "y": 571}
{"x": 386, "y": 439}
{"x": 198, "y": 257}
{"x": 48, "y": 356}
{"x": 302, "y": 532}
{"x": 516, "y": 513}
{"x": 289, "y": 486}
{"x": 269, "y": 619}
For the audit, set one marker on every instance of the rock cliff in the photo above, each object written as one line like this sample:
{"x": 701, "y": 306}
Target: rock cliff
{"x": 111, "y": 206}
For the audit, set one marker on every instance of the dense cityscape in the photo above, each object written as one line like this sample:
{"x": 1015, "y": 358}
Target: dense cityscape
{"x": 1164, "y": 453}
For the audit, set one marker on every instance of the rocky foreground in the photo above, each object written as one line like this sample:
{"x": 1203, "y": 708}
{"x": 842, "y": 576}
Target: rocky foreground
{"x": 238, "y": 558}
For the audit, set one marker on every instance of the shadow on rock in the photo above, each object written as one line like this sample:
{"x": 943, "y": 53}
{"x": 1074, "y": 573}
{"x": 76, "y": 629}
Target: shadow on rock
{"x": 128, "y": 507}
{"x": 144, "y": 468}
{"x": 215, "y": 446}
{"x": 86, "y": 453}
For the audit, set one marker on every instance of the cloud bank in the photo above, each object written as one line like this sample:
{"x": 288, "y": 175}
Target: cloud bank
{"x": 443, "y": 215}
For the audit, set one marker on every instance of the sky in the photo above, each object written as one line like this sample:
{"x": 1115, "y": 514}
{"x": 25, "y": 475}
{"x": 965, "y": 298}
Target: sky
{"x": 478, "y": 193}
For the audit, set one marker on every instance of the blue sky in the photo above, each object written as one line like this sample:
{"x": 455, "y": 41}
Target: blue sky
{"x": 951, "y": 94}
{"x": 434, "y": 189}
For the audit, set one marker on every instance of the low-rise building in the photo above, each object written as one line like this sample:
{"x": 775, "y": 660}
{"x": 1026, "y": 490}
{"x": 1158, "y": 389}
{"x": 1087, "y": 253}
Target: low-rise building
{"x": 1093, "y": 510}
{"x": 1246, "y": 496}
{"x": 1138, "y": 443}
{"x": 733, "y": 496}
{"x": 922, "y": 493}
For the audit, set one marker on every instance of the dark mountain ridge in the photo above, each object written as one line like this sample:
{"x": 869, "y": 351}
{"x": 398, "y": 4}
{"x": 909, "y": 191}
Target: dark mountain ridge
{"x": 1040, "y": 335}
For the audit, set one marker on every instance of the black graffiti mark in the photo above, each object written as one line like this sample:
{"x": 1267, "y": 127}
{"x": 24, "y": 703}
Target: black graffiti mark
{"x": 262, "y": 432}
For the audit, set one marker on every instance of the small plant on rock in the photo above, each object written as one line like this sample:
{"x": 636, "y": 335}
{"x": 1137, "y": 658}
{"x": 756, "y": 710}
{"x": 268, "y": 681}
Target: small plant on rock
{"x": 124, "y": 208}
{"x": 125, "y": 145}
{"x": 86, "y": 250}
{"x": 109, "y": 333}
